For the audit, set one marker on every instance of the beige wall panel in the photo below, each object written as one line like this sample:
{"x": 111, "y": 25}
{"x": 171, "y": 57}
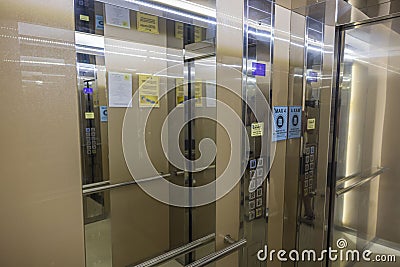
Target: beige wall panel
{"x": 279, "y": 98}
{"x": 295, "y": 97}
{"x": 389, "y": 185}
{"x": 41, "y": 201}
{"x": 229, "y": 53}
{"x": 140, "y": 224}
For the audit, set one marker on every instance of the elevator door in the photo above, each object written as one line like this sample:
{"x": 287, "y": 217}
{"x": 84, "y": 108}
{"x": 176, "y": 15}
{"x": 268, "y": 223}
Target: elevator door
{"x": 366, "y": 215}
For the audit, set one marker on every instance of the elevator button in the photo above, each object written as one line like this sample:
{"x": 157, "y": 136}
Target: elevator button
{"x": 252, "y": 195}
{"x": 312, "y": 166}
{"x": 259, "y": 202}
{"x": 307, "y": 159}
{"x": 260, "y": 162}
{"x": 307, "y": 167}
{"x": 87, "y": 134}
{"x": 93, "y": 129}
{"x": 252, "y": 174}
{"x": 252, "y": 215}
{"x": 306, "y": 183}
{"x": 253, "y": 164}
{"x": 89, "y": 152}
{"x": 312, "y": 150}
{"x": 259, "y": 212}
{"x": 307, "y": 175}
{"x": 94, "y": 151}
{"x": 252, "y": 205}
{"x": 252, "y": 185}
{"x": 260, "y": 172}
{"x": 259, "y": 192}
{"x": 259, "y": 182}
{"x": 88, "y": 130}
{"x": 311, "y": 173}
{"x": 94, "y": 147}
{"x": 307, "y": 151}
{"x": 93, "y": 133}
{"x": 305, "y": 191}
{"x": 312, "y": 158}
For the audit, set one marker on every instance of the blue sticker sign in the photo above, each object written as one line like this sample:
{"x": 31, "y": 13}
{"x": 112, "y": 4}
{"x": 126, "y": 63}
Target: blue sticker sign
{"x": 99, "y": 22}
{"x": 312, "y": 77}
{"x": 103, "y": 114}
{"x": 259, "y": 69}
{"x": 294, "y": 122}
{"x": 88, "y": 91}
{"x": 281, "y": 123}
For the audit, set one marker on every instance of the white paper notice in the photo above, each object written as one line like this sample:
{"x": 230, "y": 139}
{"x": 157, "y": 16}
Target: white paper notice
{"x": 117, "y": 16}
{"x": 211, "y": 94}
{"x": 120, "y": 90}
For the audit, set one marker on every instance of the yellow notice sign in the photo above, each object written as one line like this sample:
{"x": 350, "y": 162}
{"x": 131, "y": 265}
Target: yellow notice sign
{"x": 84, "y": 17}
{"x": 257, "y": 129}
{"x": 89, "y": 115}
{"x": 149, "y": 91}
{"x": 311, "y": 124}
{"x": 198, "y": 34}
{"x": 179, "y": 91}
{"x": 147, "y": 23}
{"x": 198, "y": 93}
{"x": 179, "y": 30}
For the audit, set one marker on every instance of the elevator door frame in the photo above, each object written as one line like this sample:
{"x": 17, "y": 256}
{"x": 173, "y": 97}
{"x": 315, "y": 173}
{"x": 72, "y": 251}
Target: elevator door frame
{"x": 336, "y": 102}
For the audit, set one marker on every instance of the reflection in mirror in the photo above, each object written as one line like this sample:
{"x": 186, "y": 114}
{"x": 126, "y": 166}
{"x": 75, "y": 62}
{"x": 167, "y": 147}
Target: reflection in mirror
{"x": 163, "y": 52}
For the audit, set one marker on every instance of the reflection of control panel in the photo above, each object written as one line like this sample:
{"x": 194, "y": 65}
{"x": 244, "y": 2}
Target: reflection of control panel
{"x": 255, "y": 200}
{"x": 91, "y": 137}
{"x": 309, "y": 168}
{"x": 91, "y": 143}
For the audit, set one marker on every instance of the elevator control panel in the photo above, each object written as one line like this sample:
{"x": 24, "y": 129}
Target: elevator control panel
{"x": 255, "y": 200}
{"x": 91, "y": 142}
{"x": 309, "y": 167}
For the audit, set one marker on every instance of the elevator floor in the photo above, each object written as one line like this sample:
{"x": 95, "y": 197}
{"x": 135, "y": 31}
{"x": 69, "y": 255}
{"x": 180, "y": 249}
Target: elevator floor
{"x": 98, "y": 245}
{"x": 376, "y": 248}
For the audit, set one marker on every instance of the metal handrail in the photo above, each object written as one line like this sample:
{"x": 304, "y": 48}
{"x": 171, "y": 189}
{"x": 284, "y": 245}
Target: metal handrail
{"x": 86, "y": 186}
{"x": 219, "y": 254}
{"x": 347, "y": 178}
{"x": 97, "y": 187}
{"x": 112, "y": 186}
{"x": 360, "y": 183}
{"x": 197, "y": 170}
{"x": 172, "y": 254}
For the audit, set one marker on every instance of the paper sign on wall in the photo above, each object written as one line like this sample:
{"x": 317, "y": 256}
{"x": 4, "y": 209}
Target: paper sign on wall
{"x": 117, "y": 16}
{"x": 294, "y": 122}
{"x": 257, "y": 129}
{"x": 280, "y": 120}
{"x": 179, "y": 91}
{"x": 149, "y": 91}
{"x": 198, "y": 93}
{"x": 147, "y": 23}
{"x": 179, "y": 30}
{"x": 84, "y": 17}
{"x": 89, "y": 115}
{"x": 99, "y": 22}
{"x": 211, "y": 93}
{"x": 198, "y": 34}
{"x": 311, "y": 124}
{"x": 103, "y": 114}
{"x": 120, "y": 89}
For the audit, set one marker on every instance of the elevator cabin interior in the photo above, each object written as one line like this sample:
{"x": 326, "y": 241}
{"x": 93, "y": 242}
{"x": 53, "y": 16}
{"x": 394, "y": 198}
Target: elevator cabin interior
{"x": 140, "y": 61}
